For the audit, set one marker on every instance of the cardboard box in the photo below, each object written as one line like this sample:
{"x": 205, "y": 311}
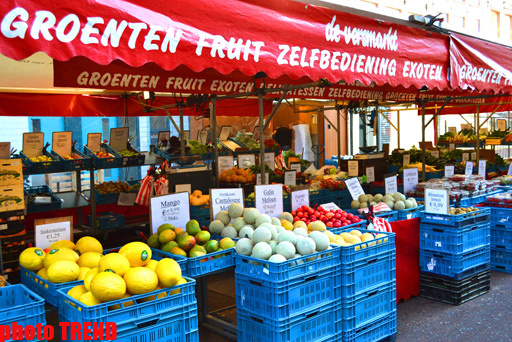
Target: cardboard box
{"x": 11, "y": 172}
{"x": 11, "y": 198}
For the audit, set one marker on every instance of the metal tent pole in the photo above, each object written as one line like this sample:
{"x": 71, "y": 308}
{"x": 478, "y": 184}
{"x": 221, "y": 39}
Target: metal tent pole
{"x": 262, "y": 137}
{"x": 182, "y": 140}
{"x": 423, "y": 176}
{"x": 338, "y": 134}
{"x": 213, "y": 125}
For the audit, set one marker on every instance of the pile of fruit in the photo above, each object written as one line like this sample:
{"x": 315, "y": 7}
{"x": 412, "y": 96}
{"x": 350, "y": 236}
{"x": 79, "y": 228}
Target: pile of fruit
{"x": 127, "y": 153}
{"x": 419, "y": 166}
{"x": 460, "y": 211}
{"x": 104, "y": 154}
{"x": 3, "y": 282}
{"x": 197, "y": 198}
{"x": 247, "y": 140}
{"x": 275, "y": 243}
{"x": 72, "y": 156}
{"x": 237, "y": 175}
{"x": 332, "y": 218}
{"x": 462, "y": 136}
{"x": 396, "y": 201}
{"x": 113, "y": 187}
{"x": 355, "y": 237}
{"x": 196, "y": 147}
{"x": 271, "y": 144}
{"x": 41, "y": 158}
{"x": 118, "y": 275}
{"x": 189, "y": 242}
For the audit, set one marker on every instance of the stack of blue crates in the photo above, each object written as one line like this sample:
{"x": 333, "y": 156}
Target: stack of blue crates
{"x": 501, "y": 239}
{"x": 296, "y": 300}
{"x": 455, "y": 256}
{"x": 368, "y": 291}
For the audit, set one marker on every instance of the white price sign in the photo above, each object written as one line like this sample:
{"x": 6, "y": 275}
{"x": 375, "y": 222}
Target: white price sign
{"x": 173, "y": 209}
{"x": 164, "y": 135}
{"x": 33, "y": 144}
{"x": 245, "y": 161}
{"x": 465, "y": 157}
{"x": 221, "y": 199}
{"x": 466, "y": 126}
{"x": 502, "y": 124}
{"x": 473, "y": 155}
{"x": 270, "y": 160}
{"x": 353, "y": 168}
{"x": 354, "y": 187}
{"x": 330, "y": 206}
{"x": 509, "y": 169}
{"x": 203, "y": 137}
{"x": 126, "y": 199}
{"x": 119, "y": 138}
{"x": 299, "y": 198}
{"x": 296, "y": 166}
{"x": 452, "y": 130}
{"x": 224, "y": 133}
{"x": 390, "y": 184}
{"x": 258, "y": 178}
{"x": 370, "y": 174}
{"x": 269, "y": 199}
{"x": 407, "y": 159}
{"x": 183, "y": 188}
{"x": 62, "y": 143}
{"x": 290, "y": 178}
{"x": 5, "y": 150}
{"x": 46, "y": 234}
{"x": 482, "y": 164}
{"x": 434, "y": 153}
{"x": 225, "y": 163}
{"x": 469, "y": 168}
{"x": 410, "y": 179}
{"x": 449, "y": 171}
{"x": 452, "y": 147}
{"x": 437, "y": 201}
{"x": 94, "y": 142}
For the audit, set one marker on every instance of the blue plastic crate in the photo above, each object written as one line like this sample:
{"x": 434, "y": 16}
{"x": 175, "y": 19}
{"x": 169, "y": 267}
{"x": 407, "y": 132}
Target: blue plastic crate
{"x": 454, "y": 266}
{"x": 390, "y": 215}
{"x": 411, "y": 213}
{"x": 263, "y": 270}
{"x": 454, "y": 240}
{"x": 367, "y": 306}
{"x": 42, "y": 167}
{"x": 107, "y": 220}
{"x": 501, "y": 259}
{"x": 316, "y": 197}
{"x": 370, "y": 272}
{"x": 43, "y": 287}
{"x": 285, "y": 299}
{"x": 501, "y": 236}
{"x": 82, "y": 163}
{"x": 200, "y": 212}
{"x": 105, "y": 163}
{"x": 358, "y": 225}
{"x": 19, "y": 304}
{"x": 382, "y": 330}
{"x": 314, "y": 325}
{"x": 140, "y": 320}
{"x": 502, "y": 216}
{"x": 461, "y": 220}
{"x": 38, "y": 207}
{"x": 360, "y": 254}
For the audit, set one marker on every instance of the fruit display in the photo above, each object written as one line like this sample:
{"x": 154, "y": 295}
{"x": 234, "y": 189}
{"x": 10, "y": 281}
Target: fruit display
{"x": 196, "y": 147}
{"x": 247, "y": 140}
{"x": 197, "y": 198}
{"x": 462, "y": 136}
{"x": 460, "y": 211}
{"x": 72, "y": 156}
{"x": 355, "y": 236}
{"x": 237, "y": 175}
{"x": 104, "y": 154}
{"x": 41, "y": 158}
{"x": 396, "y": 201}
{"x": 122, "y": 274}
{"x": 504, "y": 180}
{"x": 113, "y": 187}
{"x": 271, "y": 144}
{"x": 189, "y": 242}
{"x": 3, "y": 282}
{"x": 419, "y": 166}
{"x": 268, "y": 239}
{"x": 128, "y": 153}
{"x": 460, "y": 186}
{"x": 504, "y": 198}
{"x": 331, "y": 218}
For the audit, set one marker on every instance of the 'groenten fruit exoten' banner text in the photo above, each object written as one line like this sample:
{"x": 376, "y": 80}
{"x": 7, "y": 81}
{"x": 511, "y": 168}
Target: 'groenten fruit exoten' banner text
{"x": 277, "y": 37}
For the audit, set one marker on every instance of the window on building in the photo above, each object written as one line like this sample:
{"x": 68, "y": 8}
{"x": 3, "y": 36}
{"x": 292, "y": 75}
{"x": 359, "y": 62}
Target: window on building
{"x": 457, "y": 22}
{"x": 394, "y": 11}
{"x": 474, "y": 25}
{"x": 369, "y": 5}
{"x": 495, "y": 23}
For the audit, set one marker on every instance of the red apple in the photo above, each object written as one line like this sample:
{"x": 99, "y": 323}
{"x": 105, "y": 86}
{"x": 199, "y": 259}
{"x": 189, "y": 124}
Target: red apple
{"x": 296, "y": 218}
{"x": 337, "y": 216}
{"x": 320, "y": 208}
{"x": 294, "y": 213}
{"x": 304, "y": 207}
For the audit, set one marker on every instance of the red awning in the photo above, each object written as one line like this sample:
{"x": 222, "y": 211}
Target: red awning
{"x": 107, "y": 106}
{"x": 280, "y": 38}
{"x": 480, "y": 65}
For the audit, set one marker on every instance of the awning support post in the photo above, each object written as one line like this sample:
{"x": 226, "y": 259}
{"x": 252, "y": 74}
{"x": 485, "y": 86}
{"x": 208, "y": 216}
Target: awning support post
{"x": 262, "y": 134}
{"x": 213, "y": 126}
{"x": 338, "y": 134}
{"x": 423, "y": 126}
{"x": 182, "y": 140}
